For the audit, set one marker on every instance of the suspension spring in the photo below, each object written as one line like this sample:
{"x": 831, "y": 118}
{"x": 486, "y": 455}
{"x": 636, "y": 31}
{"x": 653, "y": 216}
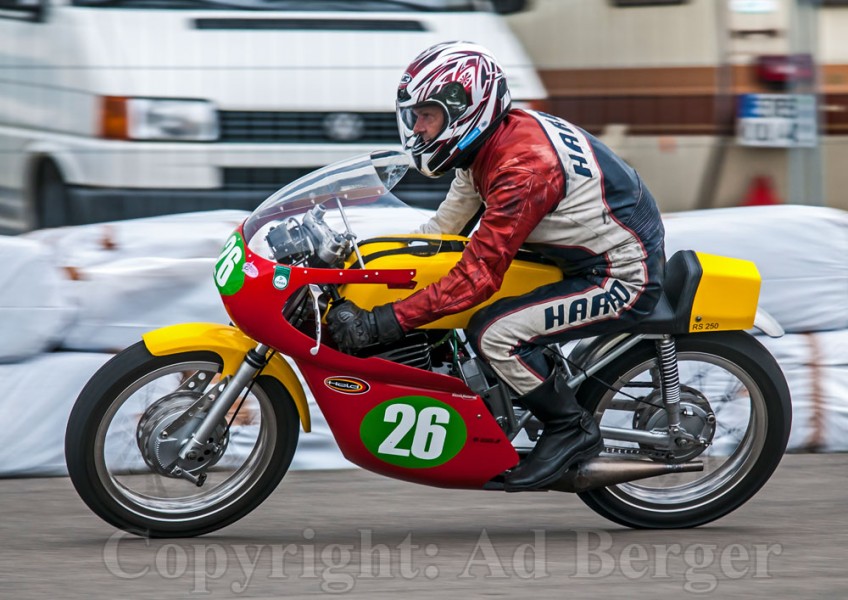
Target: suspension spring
{"x": 670, "y": 379}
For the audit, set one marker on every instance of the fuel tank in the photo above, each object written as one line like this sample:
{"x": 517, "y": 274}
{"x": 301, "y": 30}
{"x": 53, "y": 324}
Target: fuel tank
{"x": 431, "y": 257}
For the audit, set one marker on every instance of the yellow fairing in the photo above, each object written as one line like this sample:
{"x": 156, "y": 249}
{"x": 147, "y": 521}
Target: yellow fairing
{"x": 727, "y": 295}
{"x": 231, "y": 345}
{"x": 521, "y": 278}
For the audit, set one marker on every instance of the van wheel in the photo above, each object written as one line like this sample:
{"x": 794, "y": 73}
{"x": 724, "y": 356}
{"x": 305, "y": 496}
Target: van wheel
{"x": 51, "y": 199}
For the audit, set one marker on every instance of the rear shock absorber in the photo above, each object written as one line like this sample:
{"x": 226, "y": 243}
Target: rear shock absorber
{"x": 670, "y": 380}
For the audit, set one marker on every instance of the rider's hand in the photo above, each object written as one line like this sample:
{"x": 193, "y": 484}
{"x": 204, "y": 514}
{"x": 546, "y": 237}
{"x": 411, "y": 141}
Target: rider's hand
{"x": 353, "y": 328}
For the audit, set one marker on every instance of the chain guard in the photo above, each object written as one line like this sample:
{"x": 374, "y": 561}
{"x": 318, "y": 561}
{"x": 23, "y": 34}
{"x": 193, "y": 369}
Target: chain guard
{"x": 644, "y": 451}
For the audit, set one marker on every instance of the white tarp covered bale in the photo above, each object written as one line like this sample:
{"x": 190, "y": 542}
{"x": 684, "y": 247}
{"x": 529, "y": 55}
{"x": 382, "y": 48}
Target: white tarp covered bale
{"x": 186, "y": 235}
{"x": 129, "y": 277}
{"x": 816, "y": 369}
{"x": 34, "y": 310}
{"x": 800, "y": 251}
{"x": 121, "y": 300}
{"x": 37, "y": 398}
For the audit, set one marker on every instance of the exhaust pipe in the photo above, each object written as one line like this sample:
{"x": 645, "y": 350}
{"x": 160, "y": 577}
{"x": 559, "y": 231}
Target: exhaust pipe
{"x": 601, "y": 472}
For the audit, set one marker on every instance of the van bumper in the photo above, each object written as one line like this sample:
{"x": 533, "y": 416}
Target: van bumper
{"x": 96, "y": 205}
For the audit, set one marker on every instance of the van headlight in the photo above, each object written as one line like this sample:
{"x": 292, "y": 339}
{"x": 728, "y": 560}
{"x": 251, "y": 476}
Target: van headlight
{"x": 158, "y": 119}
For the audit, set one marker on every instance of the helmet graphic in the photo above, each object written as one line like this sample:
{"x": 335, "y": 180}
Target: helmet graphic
{"x": 467, "y": 84}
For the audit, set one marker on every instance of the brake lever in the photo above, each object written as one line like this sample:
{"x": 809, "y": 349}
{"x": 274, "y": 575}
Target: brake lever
{"x": 315, "y": 291}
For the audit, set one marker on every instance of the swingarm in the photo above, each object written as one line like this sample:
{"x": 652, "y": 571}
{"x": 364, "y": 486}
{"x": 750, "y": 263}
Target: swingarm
{"x": 661, "y": 432}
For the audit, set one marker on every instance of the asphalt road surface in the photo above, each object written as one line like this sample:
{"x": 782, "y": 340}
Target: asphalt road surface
{"x": 357, "y": 535}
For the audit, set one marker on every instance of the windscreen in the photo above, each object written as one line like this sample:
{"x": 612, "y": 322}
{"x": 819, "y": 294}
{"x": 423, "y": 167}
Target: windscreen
{"x": 350, "y": 200}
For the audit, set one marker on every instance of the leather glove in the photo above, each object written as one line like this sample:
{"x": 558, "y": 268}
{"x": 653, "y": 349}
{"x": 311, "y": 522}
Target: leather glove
{"x": 353, "y": 328}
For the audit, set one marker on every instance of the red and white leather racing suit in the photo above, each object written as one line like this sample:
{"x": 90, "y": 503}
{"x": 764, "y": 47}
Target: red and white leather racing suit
{"x": 551, "y": 187}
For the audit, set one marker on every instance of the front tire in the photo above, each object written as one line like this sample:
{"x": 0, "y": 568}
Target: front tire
{"x": 748, "y": 394}
{"x": 110, "y": 465}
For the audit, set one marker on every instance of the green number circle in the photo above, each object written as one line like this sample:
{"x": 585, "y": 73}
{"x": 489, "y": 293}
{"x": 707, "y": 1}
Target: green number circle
{"x": 229, "y": 273}
{"x": 415, "y": 432}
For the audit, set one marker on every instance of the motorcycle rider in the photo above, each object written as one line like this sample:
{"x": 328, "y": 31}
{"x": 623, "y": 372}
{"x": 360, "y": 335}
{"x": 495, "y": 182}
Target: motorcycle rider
{"x": 542, "y": 183}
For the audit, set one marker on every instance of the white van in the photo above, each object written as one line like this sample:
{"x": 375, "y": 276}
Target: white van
{"x": 112, "y": 109}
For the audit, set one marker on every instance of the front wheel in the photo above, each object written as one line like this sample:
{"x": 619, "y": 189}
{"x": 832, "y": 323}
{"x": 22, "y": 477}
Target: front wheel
{"x": 733, "y": 395}
{"x": 118, "y": 448}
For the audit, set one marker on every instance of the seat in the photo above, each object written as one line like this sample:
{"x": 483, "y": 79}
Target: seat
{"x": 673, "y": 310}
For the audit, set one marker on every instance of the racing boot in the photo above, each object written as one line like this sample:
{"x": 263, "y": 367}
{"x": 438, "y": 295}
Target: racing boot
{"x": 570, "y": 435}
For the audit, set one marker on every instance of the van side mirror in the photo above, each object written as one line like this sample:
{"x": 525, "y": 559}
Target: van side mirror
{"x": 28, "y": 10}
{"x": 508, "y": 7}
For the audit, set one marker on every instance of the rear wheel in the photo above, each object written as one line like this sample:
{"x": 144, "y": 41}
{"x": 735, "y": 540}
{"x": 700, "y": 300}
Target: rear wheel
{"x": 123, "y": 435}
{"x": 733, "y": 395}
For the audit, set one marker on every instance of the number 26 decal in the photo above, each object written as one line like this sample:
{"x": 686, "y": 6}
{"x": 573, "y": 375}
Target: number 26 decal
{"x": 428, "y": 439}
{"x": 229, "y": 276}
{"x": 414, "y": 431}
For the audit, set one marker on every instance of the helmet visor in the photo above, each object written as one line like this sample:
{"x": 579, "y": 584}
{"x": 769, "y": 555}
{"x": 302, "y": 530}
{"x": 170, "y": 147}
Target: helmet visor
{"x": 421, "y": 125}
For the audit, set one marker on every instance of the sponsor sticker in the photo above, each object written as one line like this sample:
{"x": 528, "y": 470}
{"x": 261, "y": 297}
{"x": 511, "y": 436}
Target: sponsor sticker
{"x": 250, "y": 270}
{"x": 281, "y": 277}
{"x": 347, "y": 385}
{"x": 415, "y": 432}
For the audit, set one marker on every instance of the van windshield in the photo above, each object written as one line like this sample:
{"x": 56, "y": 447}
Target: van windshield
{"x": 297, "y": 5}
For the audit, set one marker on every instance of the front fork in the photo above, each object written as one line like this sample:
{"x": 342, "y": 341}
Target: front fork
{"x": 227, "y": 393}
{"x": 218, "y": 401}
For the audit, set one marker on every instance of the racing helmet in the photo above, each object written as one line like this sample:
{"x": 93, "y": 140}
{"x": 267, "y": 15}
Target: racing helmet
{"x": 466, "y": 82}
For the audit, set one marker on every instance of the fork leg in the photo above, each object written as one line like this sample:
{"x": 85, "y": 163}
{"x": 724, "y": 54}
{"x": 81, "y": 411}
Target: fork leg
{"x": 254, "y": 360}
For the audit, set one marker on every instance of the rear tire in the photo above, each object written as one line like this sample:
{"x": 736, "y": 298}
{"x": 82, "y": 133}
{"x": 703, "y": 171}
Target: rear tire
{"x": 735, "y": 468}
{"x": 108, "y": 468}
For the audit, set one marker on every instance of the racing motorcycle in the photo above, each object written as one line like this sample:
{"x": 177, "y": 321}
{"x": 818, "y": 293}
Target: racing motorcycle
{"x": 195, "y": 425}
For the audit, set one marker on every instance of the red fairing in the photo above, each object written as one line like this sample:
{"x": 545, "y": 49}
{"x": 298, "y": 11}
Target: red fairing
{"x": 520, "y": 177}
{"x": 486, "y": 452}
{"x": 256, "y": 308}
